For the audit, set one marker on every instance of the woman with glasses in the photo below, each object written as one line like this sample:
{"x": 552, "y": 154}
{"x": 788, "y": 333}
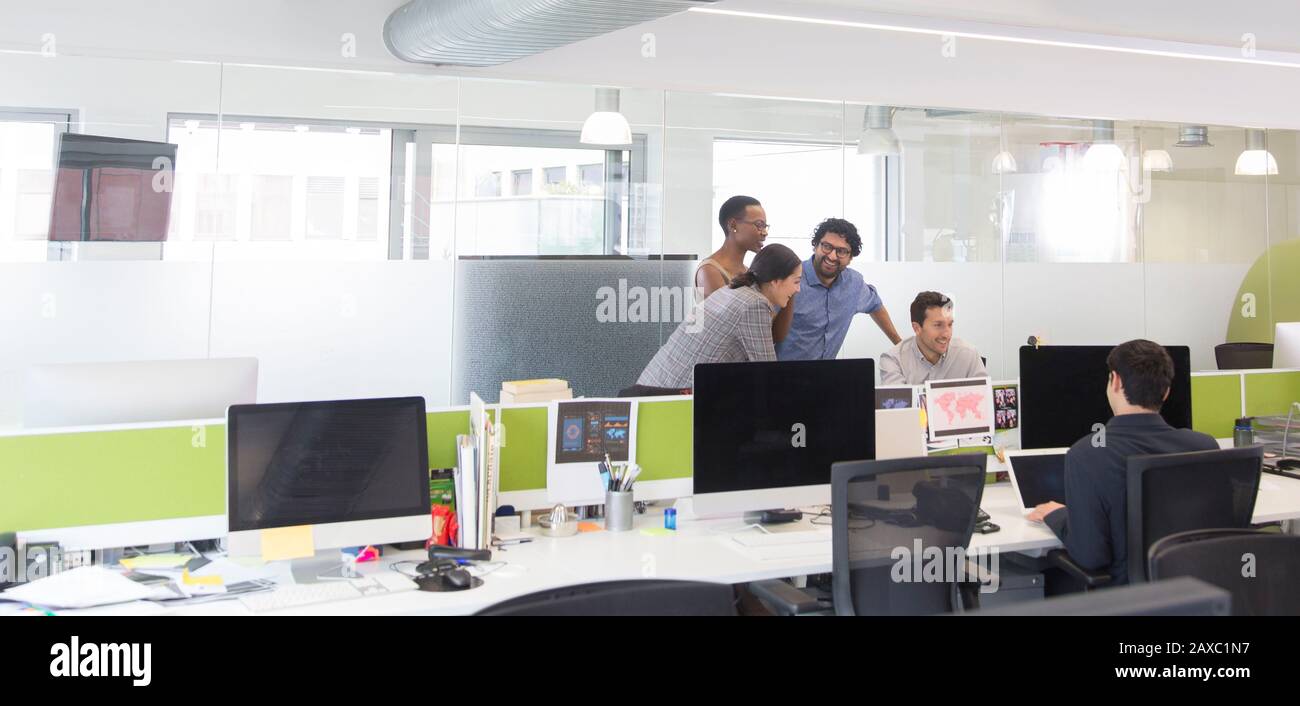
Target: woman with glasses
{"x": 731, "y": 326}
{"x": 744, "y": 226}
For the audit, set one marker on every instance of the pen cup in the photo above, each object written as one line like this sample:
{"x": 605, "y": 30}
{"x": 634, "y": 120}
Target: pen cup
{"x": 618, "y": 511}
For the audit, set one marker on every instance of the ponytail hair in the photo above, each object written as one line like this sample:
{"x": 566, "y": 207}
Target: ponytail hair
{"x": 773, "y": 262}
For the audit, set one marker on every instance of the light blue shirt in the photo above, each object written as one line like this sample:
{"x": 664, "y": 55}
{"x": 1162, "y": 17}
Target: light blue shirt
{"x": 822, "y": 314}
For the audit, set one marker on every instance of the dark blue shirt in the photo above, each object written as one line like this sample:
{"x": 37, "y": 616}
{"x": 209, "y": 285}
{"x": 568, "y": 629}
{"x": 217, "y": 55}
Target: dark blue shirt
{"x": 1093, "y": 525}
{"x": 822, "y": 314}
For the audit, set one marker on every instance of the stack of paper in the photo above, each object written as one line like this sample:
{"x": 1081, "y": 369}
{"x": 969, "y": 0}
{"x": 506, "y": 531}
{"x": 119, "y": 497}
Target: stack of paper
{"x": 82, "y": 587}
{"x": 543, "y": 390}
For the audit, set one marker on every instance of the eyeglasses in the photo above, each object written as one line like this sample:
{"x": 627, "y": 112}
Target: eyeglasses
{"x": 759, "y": 225}
{"x": 827, "y": 248}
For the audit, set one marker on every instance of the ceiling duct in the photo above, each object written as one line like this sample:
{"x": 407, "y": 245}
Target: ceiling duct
{"x": 491, "y": 32}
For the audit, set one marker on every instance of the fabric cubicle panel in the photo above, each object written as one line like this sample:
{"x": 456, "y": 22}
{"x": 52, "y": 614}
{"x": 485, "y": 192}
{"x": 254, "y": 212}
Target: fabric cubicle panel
{"x": 541, "y": 317}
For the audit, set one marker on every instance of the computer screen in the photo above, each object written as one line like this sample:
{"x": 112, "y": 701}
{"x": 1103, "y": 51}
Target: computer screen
{"x": 313, "y": 463}
{"x": 1286, "y": 345}
{"x": 781, "y": 424}
{"x": 1038, "y": 478}
{"x": 1063, "y": 393}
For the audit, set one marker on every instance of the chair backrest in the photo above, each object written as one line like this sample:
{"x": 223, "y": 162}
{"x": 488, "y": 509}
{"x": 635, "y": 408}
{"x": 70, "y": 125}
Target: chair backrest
{"x": 1243, "y": 356}
{"x": 1175, "y": 597}
{"x": 649, "y": 597}
{"x": 1172, "y": 493}
{"x": 899, "y": 528}
{"x": 1260, "y": 569}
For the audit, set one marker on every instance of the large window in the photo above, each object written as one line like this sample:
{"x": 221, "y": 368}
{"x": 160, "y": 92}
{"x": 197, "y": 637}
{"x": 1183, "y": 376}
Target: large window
{"x": 801, "y": 184}
{"x": 507, "y": 191}
{"x": 362, "y": 191}
{"x": 28, "y": 142}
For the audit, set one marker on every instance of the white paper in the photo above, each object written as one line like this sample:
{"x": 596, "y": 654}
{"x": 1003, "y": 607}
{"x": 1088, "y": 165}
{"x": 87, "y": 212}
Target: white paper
{"x": 959, "y": 408}
{"x": 82, "y": 587}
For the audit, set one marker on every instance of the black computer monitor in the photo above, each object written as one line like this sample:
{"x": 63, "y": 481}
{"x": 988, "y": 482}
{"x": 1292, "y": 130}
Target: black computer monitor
{"x": 357, "y": 471}
{"x": 766, "y": 434}
{"x": 1063, "y": 393}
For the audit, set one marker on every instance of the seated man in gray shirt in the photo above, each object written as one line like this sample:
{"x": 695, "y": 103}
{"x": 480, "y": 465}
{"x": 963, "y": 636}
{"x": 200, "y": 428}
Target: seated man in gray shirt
{"x": 933, "y": 353}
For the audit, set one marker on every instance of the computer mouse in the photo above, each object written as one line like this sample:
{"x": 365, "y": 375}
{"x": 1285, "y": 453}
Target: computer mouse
{"x": 457, "y": 579}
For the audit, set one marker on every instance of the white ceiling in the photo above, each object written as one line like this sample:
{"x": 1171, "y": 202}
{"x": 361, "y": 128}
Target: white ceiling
{"x": 702, "y": 52}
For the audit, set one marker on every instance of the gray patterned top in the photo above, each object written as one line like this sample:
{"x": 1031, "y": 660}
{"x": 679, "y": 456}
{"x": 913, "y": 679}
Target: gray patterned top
{"x": 730, "y": 326}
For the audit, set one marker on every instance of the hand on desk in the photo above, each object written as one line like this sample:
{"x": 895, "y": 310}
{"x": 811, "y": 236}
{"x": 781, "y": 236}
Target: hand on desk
{"x": 1043, "y": 511}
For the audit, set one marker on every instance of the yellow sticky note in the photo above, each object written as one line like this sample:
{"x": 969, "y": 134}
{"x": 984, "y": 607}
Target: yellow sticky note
{"x": 191, "y": 580}
{"x": 656, "y": 532}
{"x": 283, "y": 543}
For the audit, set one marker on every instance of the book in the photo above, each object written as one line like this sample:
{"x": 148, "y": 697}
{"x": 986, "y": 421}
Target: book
{"x": 516, "y": 387}
{"x": 528, "y": 397}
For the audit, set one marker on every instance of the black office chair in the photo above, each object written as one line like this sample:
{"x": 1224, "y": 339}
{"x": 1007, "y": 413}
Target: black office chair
{"x": 1260, "y": 569}
{"x": 879, "y": 508}
{"x": 1176, "y": 597}
{"x": 1172, "y": 493}
{"x": 1243, "y": 356}
{"x": 623, "y": 598}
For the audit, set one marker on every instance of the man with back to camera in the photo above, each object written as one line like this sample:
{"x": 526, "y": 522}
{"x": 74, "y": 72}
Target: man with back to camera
{"x": 1093, "y": 528}
{"x": 832, "y": 294}
{"x": 932, "y": 353}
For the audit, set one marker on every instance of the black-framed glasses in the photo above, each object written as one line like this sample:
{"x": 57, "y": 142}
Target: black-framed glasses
{"x": 827, "y": 249}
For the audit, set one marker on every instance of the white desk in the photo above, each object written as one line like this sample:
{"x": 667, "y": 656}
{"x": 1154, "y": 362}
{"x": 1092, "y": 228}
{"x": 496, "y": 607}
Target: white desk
{"x": 698, "y": 551}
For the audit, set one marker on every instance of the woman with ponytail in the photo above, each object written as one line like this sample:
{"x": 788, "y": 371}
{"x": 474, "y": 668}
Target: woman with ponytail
{"x": 732, "y": 325}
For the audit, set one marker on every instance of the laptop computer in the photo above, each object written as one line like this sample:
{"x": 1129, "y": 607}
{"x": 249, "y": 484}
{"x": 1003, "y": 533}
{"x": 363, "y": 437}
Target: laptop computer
{"x": 1038, "y": 476}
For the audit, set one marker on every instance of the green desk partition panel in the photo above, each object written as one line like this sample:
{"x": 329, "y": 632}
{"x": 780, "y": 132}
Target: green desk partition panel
{"x": 1271, "y": 393}
{"x": 442, "y": 428}
{"x": 664, "y": 439}
{"x": 523, "y": 458}
{"x": 1216, "y": 404}
{"x": 109, "y": 477}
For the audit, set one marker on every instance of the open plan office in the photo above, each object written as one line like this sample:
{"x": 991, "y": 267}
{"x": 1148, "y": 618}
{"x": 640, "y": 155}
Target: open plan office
{"x": 668, "y": 308}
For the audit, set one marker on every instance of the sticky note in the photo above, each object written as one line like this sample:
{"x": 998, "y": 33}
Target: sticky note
{"x": 656, "y": 532}
{"x": 156, "y": 561}
{"x": 588, "y": 527}
{"x": 283, "y": 543}
{"x": 191, "y": 580}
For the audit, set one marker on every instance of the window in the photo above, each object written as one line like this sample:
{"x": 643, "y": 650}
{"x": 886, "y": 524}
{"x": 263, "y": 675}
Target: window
{"x": 523, "y": 182}
{"x": 272, "y": 203}
{"x": 256, "y": 180}
{"x": 801, "y": 184}
{"x": 368, "y": 208}
{"x": 28, "y": 141}
{"x": 366, "y": 191}
{"x": 324, "y": 208}
{"x": 591, "y": 177}
{"x": 554, "y": 176}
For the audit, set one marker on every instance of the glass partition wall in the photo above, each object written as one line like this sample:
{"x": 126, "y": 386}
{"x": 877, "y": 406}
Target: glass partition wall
{"x": 367, "y": 234}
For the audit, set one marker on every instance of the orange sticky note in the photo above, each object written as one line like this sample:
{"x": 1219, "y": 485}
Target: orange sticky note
{"x": 283, "y": 543}
{"x": 588, "y": 527}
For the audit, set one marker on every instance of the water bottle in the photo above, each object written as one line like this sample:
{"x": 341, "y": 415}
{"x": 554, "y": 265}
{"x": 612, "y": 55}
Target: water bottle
{"x": 1243, "y": 434}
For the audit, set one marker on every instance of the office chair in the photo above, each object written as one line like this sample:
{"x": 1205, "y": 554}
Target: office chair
{"x": 623, "y": 598}
{"x": 1260, "y": 569}
{"x": 1176, "y": 596}
{"x": 1243, "y": 356}
{"x": 1172, "y": 493}
{"x": 880, "y": 512}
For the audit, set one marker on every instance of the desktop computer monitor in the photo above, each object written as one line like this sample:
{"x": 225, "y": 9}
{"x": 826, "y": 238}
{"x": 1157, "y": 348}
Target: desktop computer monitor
{"x": 767, "y": 433}
{"x": 86, "y": 394}
{"x": 356, "y": 471}
{"x": 1063, "y": 393}
{"x": 1286, "y": 345}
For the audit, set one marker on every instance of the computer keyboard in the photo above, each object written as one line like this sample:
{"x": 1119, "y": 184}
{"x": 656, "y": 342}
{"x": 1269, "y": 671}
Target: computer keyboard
{"x": 297, "y": 595}
{"x": 754, "y": 538}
